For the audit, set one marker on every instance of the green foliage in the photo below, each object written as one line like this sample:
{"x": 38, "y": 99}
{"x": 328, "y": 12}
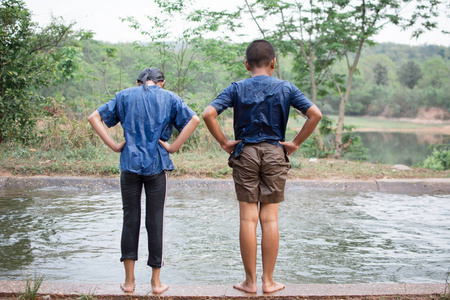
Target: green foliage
{"x": 88, "y": 296}
{"x": 409, "y": 74}
{"x": 439, "y": 159}
{"x": 391, "y": 100}
{"x": 184, "y": 56}
{"x": 353, "y": 146}
{"x": 30, "y": 292}
{"x": 435, "y": 72}
{"x": 31, "y": 57}
{"x": 381, "y": 76}
{"x": 446, "y": 294}
{"x": 310, "y": 148}
{"x": 355, "y": 150}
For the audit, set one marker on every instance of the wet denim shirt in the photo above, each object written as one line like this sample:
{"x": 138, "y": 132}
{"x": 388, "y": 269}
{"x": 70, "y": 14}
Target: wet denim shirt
{"x": 146, "y": 116}
{"x": 261, "y": 107}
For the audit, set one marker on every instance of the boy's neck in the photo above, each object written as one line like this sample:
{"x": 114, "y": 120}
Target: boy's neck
{"x": 262, "y": 72}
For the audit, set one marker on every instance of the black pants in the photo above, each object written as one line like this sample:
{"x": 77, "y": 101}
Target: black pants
{"x": 155, "y": 192}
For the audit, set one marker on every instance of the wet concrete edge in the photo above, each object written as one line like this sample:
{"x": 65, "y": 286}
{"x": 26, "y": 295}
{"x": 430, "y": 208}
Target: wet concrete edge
{"x": 9, "y": 289}
{"x": 396, "y": 186}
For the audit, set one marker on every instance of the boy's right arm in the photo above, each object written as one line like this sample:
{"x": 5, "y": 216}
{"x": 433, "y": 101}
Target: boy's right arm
{"x": 210, "y": 118}
{"x": 96, "y": 121}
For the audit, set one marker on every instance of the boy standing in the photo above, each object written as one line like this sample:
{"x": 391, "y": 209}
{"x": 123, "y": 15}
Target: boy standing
{"x": 148, "y": 114}
{"x": 258, "y": 156}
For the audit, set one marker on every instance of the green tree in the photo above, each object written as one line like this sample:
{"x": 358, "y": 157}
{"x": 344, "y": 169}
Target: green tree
{"x": 109, "y": 53}
{"x": 435, "y": 72}
{"x": 183, "y": 55}
{"x": 409, "y": 74}
{"x": 381, "y": 75}
{"x": 30, "y": 59}
{"x": 323, "y": 32}
{"x": 355, "y": 25}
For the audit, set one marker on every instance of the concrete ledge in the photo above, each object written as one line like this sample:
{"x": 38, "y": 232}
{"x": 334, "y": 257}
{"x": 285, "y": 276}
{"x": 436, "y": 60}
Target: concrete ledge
{"x": 9, "y": 289}
{"x": 396, "y": 186}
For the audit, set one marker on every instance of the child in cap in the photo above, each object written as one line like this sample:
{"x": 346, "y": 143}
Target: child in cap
{"x": 148, "y": 114}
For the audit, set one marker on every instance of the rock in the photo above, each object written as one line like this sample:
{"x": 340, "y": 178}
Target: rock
{"x": 401, "y": 168}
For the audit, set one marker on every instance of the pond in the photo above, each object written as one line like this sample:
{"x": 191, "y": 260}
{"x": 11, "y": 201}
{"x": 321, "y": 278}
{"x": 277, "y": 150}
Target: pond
{"x": 400, "y": 148}
{"x": 326, "y": 236}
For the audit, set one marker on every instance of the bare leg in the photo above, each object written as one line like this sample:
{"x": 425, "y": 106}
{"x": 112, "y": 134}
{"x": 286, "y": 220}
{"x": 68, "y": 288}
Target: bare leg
{"x": 157, "y": 286}
{"x": 269, "y": 245}
{"x": 129, "y": 284}
{"x": 247, "y": 238}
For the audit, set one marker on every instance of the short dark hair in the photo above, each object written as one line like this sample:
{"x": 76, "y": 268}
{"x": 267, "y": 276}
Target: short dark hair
{"x": 152, "y": 74}
{"x": 259, "y": 53}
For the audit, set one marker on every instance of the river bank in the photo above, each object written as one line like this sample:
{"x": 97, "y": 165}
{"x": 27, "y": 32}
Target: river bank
{"x": 396, "y": 186}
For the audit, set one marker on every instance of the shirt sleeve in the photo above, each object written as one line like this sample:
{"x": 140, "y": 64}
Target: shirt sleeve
{"x": 299, "y": 100}
{"x": 224, "y": 100}
{"x": 108, "y": 112}
{"x": 181, "y": 113}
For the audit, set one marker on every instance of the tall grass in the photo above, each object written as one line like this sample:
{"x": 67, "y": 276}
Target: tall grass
{"x": 32, "y": 287}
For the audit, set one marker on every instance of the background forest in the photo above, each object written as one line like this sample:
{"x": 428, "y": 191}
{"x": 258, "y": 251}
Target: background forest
{"x": 393, "y": 80}
{"x": 53, "y": 77}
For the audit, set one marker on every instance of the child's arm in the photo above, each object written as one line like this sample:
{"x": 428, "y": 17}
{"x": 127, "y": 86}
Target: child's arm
{"x": 314, "y": 115}
{"x": 209, "y": 116}
{"x": 183, "y": 136}
{"x": 96, "y": 121}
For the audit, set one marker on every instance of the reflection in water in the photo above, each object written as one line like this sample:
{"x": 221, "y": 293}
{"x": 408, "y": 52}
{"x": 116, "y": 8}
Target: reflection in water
{"x": 400, "y": 148}
{"x": 325, "y": 237}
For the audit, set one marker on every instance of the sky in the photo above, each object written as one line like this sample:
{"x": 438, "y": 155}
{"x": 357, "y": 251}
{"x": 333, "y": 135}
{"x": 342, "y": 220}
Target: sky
{"x": 104, "y": 19}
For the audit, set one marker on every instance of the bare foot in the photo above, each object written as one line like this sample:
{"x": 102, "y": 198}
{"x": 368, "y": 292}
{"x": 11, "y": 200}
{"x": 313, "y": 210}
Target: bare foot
{"x": 243, "y": 286}
{"x": 159, "y": 289}
{"x": 272, "y": 287}
{"x": 127, "y": 288}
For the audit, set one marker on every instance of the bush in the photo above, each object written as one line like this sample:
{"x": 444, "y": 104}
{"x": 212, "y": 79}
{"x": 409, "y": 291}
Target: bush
{"x": 439, "y": 159}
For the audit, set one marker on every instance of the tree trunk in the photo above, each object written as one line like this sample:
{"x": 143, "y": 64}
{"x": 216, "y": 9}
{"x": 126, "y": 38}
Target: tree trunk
{"x": 344, "y": 99}
{"x": 310, "y": 61}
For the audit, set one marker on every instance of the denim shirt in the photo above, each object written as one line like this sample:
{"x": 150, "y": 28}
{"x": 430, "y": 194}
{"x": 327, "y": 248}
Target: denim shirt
{"x": 146, "y": 116}
{"x": 261, "y": 107}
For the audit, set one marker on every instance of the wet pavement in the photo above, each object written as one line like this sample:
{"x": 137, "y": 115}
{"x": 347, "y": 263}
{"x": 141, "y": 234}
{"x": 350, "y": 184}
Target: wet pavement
{"x": 10, "y": 289}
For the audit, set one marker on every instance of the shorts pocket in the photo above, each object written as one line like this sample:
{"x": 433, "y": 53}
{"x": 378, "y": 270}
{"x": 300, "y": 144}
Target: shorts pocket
{"x": 230, "y": 160}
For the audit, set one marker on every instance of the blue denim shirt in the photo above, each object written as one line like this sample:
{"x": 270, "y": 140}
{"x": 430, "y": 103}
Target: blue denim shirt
{"x": 146, "y": 116}
{"x": 261, "y": 107}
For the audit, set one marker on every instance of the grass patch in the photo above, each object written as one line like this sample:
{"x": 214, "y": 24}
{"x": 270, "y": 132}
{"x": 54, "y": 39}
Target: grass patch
{"x": 32, "y": 287}
{"x": 88, "y": 296}
{"x": 101, "y": 161}
{"x": 28, "y": 161}
{"x": 68, "y": 147}
{"x": 197, "y": 163}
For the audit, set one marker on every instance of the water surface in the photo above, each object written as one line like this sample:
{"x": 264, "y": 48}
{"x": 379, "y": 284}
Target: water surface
{"x": 325, "y": 237}
{"x": 400, "y": 148}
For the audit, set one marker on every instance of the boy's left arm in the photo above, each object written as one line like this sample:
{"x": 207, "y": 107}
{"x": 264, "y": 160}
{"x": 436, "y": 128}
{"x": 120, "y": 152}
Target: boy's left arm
{"x": 314, "y": 116}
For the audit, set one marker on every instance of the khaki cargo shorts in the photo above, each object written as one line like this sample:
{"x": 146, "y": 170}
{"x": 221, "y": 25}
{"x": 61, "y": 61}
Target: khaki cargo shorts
{"x": 260, "y": 173}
